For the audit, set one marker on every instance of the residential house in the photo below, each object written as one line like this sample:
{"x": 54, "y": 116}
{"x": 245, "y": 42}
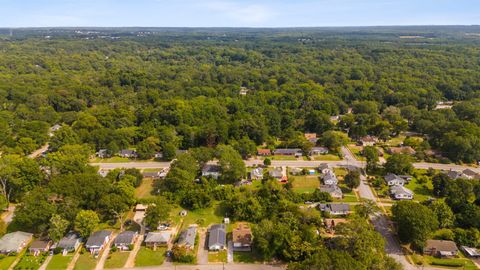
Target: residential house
{"x": 402, "y": 150}
{"x": 323, "y": 168}
{"x": 329, "y": 178}
{"x": 454, "y": 174}
{"x": 296, "y": 171}
{"x": 440, "y": 248}
{"x": 279, "y": 173}
{"x": 69, "y": 243}
{"x": 158, "y": 239}
{"x": 14, "y": 242}
{"x": 264, "y": 152}
{"x": 297, "y": 152}
{"x": 102, "y": 153}
{"x": 55, "y": 127}
{"x": 333, "y": 190}
{"x": 315, "y": 151}
{"x": 470, "y": 174}
{"x": 180, "y": 152}
{"x": 471, "y": 252}
{"x": 211, "y": 170}
{"x": 311, "y": 137}
{"x": 158, "y": 155}
{"x": 335, "y": 209}
{"x": 152, "y": 175}
{"x": 187, "y": 237}
{"x": 256, "y": 173}
{"x": 394, "y": 180}
{"x": 368, "y": 141}
{"x": 242, "y": 237}
{"x": 401, "y": 193}
{"x": 217, "y": 237}
{"x": 97, "y": 241}
{"x": 128, "y": 153}
{"x": 125, "y": 239}
{"x": 39, "y": 246}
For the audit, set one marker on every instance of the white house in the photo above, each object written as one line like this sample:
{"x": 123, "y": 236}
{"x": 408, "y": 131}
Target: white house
{"x": 401, "y": 193}
{"x": 394, "y": 180}
{"x": 329, "y": 178}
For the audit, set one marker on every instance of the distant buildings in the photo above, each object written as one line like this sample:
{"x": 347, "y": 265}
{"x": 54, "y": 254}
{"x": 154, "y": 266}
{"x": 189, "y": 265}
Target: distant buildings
{"x": 128, "y": 153}
{"x": 296, "y": 152}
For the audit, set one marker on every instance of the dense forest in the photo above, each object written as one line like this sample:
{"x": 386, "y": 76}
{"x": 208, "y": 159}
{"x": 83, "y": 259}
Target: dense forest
{"x": 221, "y": 93}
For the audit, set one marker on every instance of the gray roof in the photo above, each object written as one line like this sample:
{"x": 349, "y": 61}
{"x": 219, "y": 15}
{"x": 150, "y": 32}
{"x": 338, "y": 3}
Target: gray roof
{"x": 158, "y": 237}
{"x": 211, "y": 168}
{"x": 329, "y": 176}
{"x": 125, "y": 237}
{"x": 400, "y": 190}
{"x": 187, "y": 237}
{"x": 98, "y": 238}
{"x": 287, "y": 151}
{"x": 127, "y": 152}
{"x": 276, "y": 172}
{"x": 217, "y": 235}
{"x": 320, "y": 149}
{"x": 257, "y": 171}
{"x": 323, "y": 166}
{"x": 454, "y": 174}
{"x": 69, "y": 241}
{"x": 330, "y": 189}
{"x": 441, "y": 245}
{"x": 334, "y": 207}
{"x": 392, "y": 177}
{"x": 13, "y": 241}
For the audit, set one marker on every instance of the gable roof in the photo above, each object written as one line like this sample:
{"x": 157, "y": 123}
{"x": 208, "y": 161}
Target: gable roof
{"x": 187, "y": 237}
{"x": 13, "y": 241}
{"x": 158, "y": 237}
{"x": 401, "y": 190}
{"x": 334, "y": 207}
{"x": 393, "y": 177}
{"x": 40, "y": 244}
{"x": 264, "y": 151}
{"x": 287, "y": 151}
{"x": 217, "y": 235}
{"x": 69, "y": 241}
{"x": 211, "y": 168}
{"x": 330, "y": 189}
{"x": 125, "y": 237}
{"x": 98, "y": 238}
{"x": 441, "y": 245}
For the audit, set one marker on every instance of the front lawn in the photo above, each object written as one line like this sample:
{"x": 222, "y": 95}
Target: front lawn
{"x": 219, "y": 256}
{"x": 422, "y": 191}
{"x": 283, "y": 158}
{"x": 5, "y": 262}
{"x": 30, "y": 262}
{"x": 247, "y": 257}
{"x": 455, "y": 263}
{"x": 85, "y": 261}
{"x": 59, "y": 262}
{"x": 148, "y": 257}
{"x": 111, "y": 160}
{"x": 116, "y": 259}
{"x": 327, "y": 157}
{"x": 305, "y": 183}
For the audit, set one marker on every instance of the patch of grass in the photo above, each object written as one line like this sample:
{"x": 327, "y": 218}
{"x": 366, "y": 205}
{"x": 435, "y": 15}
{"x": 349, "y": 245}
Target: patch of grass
{"x": 327, "y": 157}
{"x": 347, "y": 199}
{"x": 283, "y": 158}
{"x": 111, "y": 160}
{"x": 30, "y": 262}
{"x": 116, "y": 259}
{"x": 59, "y": 262}
{"x": 356, "y": 150}
{"x": 7, "y": 261}
{"x": 456, "y": 263}
{"x": 85, "y": 261}
{"x": 305, "y": 183}
{"x": 422, "y": 191}
{"x": 340, "y": 172}
{"x": 145, "y": 189}
{"x": 148, "y": 257}
{"x": 206, "y": 216}
{"x": 219, "y": 256}
{"x": 395, "y": 141}
{"x": 247, "y": 257}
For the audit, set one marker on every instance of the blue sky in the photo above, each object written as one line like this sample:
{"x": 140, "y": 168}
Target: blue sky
{"x": 237, "y": 13}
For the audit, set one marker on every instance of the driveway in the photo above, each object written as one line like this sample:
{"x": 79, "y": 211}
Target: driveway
{"x": 106, "y": 251}
{"x": 230, "y": 252}
{"x": 202, "y": 255}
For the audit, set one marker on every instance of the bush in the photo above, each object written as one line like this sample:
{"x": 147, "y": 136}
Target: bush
{"x": 130, "y": 247}
{"x": 114, "y": 249}
{"x": 57, "y": 250}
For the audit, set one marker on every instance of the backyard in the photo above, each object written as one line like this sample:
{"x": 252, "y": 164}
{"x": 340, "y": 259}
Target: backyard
{"x": 145, "y": 189}
{"x": 216, "y": 257}
{"x": 203, "y": 217}
{"x": 305, "y": 183}
{"x": 149, "y": 257}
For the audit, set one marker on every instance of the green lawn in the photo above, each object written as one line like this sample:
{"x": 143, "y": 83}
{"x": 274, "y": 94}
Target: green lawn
{"x": 247, "y": 257}
{"x": 85, "y": 261}
{"x": 283, "y": 158}
{"x": 111, "y": 160}
{"x": 206, "y": 216}
{"x": 7, "y": 261}
{"x": 30, "y": 262}
{"x": 116, "y": 259}
{"x": 347, "y": 198}
{"x": 327, "y": 157}
{"x": 356, "y": 150}
{"x": 396, "y": 141}
{"x": 340, "y": 172}
{"x": 145, "y": 189}
{"x": 220, "y": 256}
{"x": 455, "y": 263}
{"x": 305, "y": 183}
{"x": 422, "y": 191}
{"x": 59, "y": 262}
{"x": 148, "y": 257}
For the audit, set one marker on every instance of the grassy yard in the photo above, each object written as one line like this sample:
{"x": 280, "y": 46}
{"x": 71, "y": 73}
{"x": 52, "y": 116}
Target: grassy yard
{"x": 204, "y": 217}
{"x": 59, "y": 262}
{"x": 305, "y": 183}
{"x": 7, "y": 261}
{"x": 422, "y": 191}
{"x": 148, "y": 257}
{"x": 327, "y": 157}
{"x": 85, "y": 261}
{"x": 145, "y": 189}
{"x": 283, "y": 158}
{"x": 111, "y": 160}
{"x": 30, "y": 262}
{"x": 395, "y": 141}
{"x": 116, "y": 259}
{"x": 347, "y": 198}
{"x": 247, "y": 257}
{"x": 454, "y": 263}
{"x": 356, "y": 150}
{"x": 340, "y": 172}
{"x": 220, "y": 256}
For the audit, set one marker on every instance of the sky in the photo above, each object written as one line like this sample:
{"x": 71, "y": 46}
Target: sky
{"x": 237, "y": 13}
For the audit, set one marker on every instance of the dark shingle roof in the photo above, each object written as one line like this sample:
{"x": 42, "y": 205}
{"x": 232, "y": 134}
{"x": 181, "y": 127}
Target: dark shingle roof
{"x": 125, "y": 237}
{"x": 98, "y": 237}
{"x": 187, "y": 237}
{"x": 217, "y": 235}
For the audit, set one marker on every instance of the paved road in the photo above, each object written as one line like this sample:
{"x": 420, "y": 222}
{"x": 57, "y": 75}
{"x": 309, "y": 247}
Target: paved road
{"x": 213, "y": 267}
{"x": 202, "y": 253}
{"x": 136, "y": 247}
{"x": 127, "y": 165}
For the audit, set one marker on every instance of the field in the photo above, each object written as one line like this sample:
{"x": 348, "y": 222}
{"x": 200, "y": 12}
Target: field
{"x": 305, "y": 184}
{"x": 59, "y": 262}
{"x": 145, "y": 189}
{"x": 220, "y": 256}
{"x": 85, "y": 262}
{"x": 116, "y": 259}
{"x": 148, "y": 257}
